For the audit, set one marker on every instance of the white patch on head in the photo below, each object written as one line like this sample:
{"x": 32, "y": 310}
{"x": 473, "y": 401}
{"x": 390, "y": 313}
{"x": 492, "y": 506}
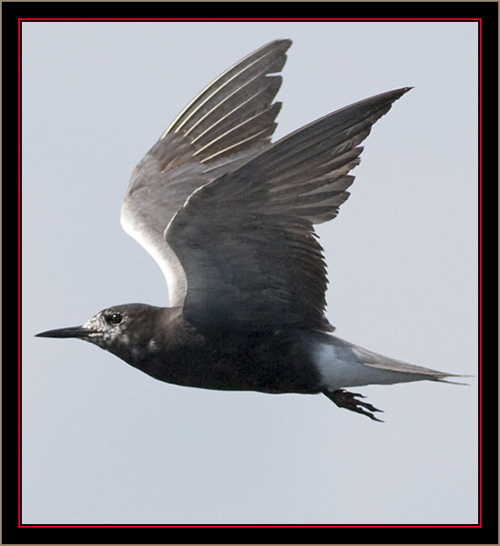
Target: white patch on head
{"x": 106, "y": 335}
{"x": 144, "y": 351}
{"x": 138, "y": 353}
{"x": 95, "y": 323}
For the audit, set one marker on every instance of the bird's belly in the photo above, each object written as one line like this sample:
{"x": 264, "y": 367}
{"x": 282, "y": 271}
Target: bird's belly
{"x": 270, "y": 363}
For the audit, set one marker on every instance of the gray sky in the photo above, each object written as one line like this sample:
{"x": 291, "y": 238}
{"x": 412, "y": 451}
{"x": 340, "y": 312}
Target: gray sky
{"x": 104, "y": 443}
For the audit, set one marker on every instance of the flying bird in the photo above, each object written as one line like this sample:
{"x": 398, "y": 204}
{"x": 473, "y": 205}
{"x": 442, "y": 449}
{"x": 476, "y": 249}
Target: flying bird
{"x": 229, "y": 217}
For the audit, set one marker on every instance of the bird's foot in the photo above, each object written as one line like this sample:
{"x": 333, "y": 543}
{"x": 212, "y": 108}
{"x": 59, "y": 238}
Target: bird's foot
{"x": 349, "y": 400}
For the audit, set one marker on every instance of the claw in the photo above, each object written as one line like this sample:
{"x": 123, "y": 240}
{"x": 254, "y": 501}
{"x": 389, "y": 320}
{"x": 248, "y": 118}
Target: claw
{"x": 348, "y": 400}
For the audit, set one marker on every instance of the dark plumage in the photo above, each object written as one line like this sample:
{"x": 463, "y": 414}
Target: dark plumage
{"x": 229, "y": 217}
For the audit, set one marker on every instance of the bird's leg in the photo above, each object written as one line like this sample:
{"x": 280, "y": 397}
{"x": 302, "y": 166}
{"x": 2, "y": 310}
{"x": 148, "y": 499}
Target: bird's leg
{"x": 348, "y": 400}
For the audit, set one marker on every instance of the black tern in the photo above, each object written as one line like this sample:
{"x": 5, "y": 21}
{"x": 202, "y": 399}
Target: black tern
{"x": 229, "y": 218}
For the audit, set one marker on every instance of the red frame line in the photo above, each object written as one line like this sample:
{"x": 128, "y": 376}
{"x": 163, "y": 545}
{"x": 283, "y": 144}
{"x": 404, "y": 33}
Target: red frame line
{"x": 479, "y": 525}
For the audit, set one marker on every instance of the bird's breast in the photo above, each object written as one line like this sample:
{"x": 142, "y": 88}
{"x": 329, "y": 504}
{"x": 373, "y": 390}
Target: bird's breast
{"x": 273, "y": 362}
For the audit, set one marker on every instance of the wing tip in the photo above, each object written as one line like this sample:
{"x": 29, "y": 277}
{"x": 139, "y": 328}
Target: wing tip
{"x": 280, "y": 43}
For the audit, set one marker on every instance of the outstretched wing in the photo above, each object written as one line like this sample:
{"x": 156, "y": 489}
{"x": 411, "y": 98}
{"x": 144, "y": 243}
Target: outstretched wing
{"x": 228, "y": 122}
{"x": 246, "y": 240}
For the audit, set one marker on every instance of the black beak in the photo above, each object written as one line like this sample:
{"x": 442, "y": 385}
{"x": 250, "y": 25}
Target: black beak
{"x": 75, "y": 331}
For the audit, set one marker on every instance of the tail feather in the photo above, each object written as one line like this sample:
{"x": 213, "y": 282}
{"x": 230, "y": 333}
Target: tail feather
{"x": 342, "y": 364}
{"x": 375, "y": 360}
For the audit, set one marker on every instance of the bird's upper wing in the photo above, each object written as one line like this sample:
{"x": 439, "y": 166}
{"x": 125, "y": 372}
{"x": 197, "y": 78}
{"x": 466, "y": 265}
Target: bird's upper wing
{"x": 246, "y": 240}
{"x": 228, "y": 122}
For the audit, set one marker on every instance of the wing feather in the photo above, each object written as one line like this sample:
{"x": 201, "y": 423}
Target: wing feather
{"x": 229, "y": 121}
{"x": 246, "y": 240}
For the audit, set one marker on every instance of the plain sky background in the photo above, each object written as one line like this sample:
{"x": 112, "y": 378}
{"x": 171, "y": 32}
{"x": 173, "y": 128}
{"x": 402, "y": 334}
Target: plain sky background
{"x": 104, "y": 443}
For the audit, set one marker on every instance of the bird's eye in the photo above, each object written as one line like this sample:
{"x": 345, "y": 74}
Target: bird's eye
{"x": 114, "y": 318}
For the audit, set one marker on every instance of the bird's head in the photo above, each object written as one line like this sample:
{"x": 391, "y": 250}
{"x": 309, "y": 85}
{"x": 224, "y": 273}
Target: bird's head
{"x": 128, "y": 331}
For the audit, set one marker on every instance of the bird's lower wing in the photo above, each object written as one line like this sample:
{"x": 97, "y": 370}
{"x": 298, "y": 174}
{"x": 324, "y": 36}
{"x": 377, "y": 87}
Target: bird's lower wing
{"x": 246, "y": 240}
